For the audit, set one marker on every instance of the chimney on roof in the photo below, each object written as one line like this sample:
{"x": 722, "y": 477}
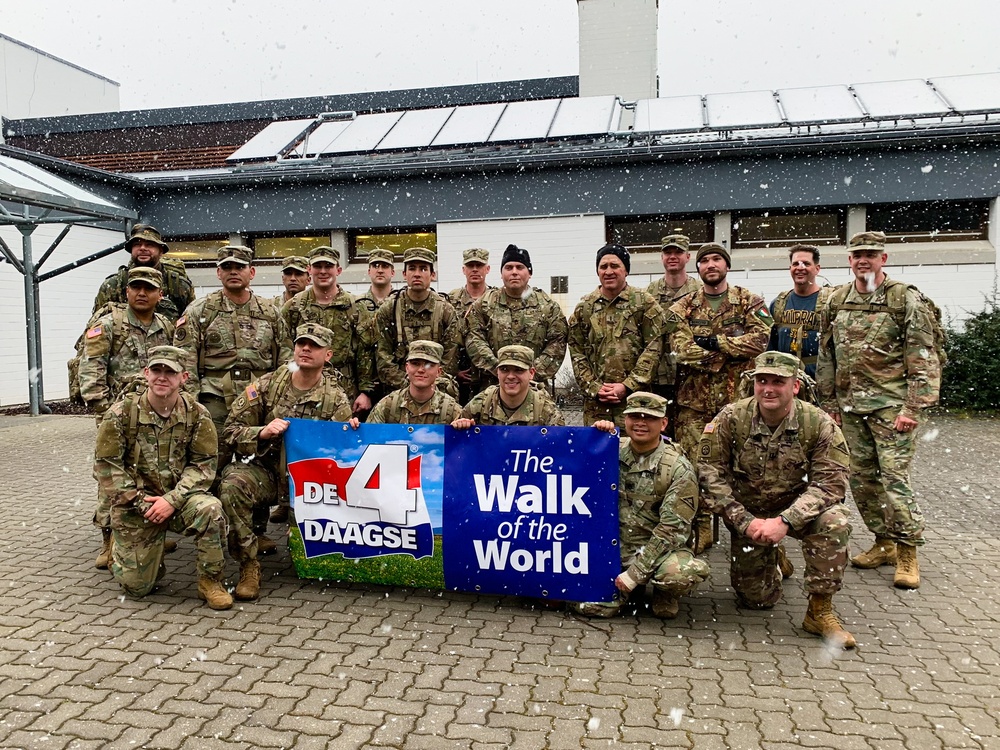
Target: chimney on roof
{"x": 618, "y": 48}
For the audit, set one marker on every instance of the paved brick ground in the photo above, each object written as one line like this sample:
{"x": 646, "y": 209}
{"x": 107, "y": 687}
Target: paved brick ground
{"x": 316, "y": 665}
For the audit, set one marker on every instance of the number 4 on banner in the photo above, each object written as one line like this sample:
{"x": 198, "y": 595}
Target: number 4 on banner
{"x": 378, "y": 482}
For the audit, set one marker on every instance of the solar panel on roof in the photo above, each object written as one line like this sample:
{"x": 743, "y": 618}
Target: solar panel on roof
{"x": 899, "y": 98}
{"x": 673, "y": 113}
{"x": 363, "y": 134}
{"x": 525, "y": 120}
{"x": 416, "y": 128}
{"x": 819, "y": 104}
{"x": 590, "y": 115}
{"x": 322, "y": 138}
{"x": 970, "y": 93}
{"x": 742, "y": 109}
{"x": 469, "y": 124}
{"x": 271, "y": 141}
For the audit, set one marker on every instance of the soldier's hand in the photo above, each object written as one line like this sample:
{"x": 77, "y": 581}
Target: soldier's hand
{"x": 274, "y": 428}
{"x": 463, "y": 423}
{"x": 361, "y": 404}
{"x": 160, "y": 511}
{"x": 612, "y": 393}
{"x": 835, "y": 416}
{"x": 605, "y": 426}
{"x": 464, "y": 376}
{"x": 707, "y": 342}
{"x": 767, "y": 530}
{"x": 905, "y": 424}
{"x": 354, "y": 422}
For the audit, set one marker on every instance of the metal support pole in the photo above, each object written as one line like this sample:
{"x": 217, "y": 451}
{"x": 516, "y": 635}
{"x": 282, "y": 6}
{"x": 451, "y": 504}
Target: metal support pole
{"x": 31, "y": 321}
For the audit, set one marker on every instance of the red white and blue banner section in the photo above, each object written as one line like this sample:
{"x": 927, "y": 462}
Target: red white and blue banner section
{"x": 532, "y": 511}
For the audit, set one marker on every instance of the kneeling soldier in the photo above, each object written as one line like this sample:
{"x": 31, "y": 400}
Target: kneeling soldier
{"x": 420, "y": 401}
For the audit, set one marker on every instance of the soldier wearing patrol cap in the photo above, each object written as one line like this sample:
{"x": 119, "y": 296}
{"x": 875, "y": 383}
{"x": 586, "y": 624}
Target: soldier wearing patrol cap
{"x": 155, "y": 458}
{"x": 657, "y": 499}
{"x": 774, "y": 466}
{"x": 515, "y": 400}
{"x": 253, "y": 431}
{"x": 879, "y": 369}
{"x": 413, "y": 314}
{"x": 420, "y": 401}
{"x": 475, "y": 268}
{"x": 381, "y": 269}
{"x": 147, "y": 247}
{"x": 294, "y": 277}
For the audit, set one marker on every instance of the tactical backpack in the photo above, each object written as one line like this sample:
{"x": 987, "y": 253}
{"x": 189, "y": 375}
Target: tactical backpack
{"x": 808, "y": 419}
{"x": 895, "y": 305}
{"x": 437, "y": 315}
{"x": 118, "y": 335}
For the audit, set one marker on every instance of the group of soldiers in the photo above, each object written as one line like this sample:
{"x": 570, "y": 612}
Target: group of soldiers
{"x": 182, "y": 386}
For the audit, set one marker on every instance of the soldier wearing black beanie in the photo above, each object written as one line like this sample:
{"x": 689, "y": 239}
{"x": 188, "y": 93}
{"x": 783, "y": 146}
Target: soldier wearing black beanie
{"x": 515, "y": 254}
{"x": 619, "y": 252}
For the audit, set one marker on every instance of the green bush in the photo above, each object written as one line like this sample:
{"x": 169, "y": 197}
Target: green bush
{"x": 971, "y": 379}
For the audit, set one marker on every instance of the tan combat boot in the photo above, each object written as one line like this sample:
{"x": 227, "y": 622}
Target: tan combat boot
{"x": 104, "y": 556}
{"x": 784, "y": 564}
{"x": 266, "y": 545}
{"x": 169, "y": 545}
{"x": 665, "y": 604}
{"x": 213, "y": 593}
{"x": 822, "y": 620}
{"x": 248, "y": 588}
{"x": 701, "y": 536}
{"x": 279, "y": 514}
{"x": 907, "y": 568}
{"x": 883, "y": 552}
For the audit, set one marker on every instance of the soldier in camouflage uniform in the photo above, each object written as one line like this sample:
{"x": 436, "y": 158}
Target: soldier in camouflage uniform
{"x": 232, "y": 337}
{"x": 773, "y": 465}
{"x": 412, "y": 314}
{"x": 615, "y": 339}
{"x": 515, "y": 400}
{"x": 674, "y": 284}
{"x": 475, "y": 267}
{"x": 147, "y": 248}
{"x": 717, "y": 330}
{"x": 516, "y": 314}
{"x": 155, "y": 459}
{"x": 420, "y": 402}
{"x": 326, "y": 303}
{"x": 294, "y": 277}
{"x": 253, "y": 430}
{"x": 657, "y": 499}
{"x": 878, "y": 370}
{"x": 381, "y": 269}
{"x": 116, "y": 350}
{"x": 796, "y": 313}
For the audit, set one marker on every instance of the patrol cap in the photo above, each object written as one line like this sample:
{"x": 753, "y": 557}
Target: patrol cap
{"x": 516, "y": 355}
{"x": 324, "y": 254}
{"x": 680, "y": 241}
{"x": 475, "y": 255}
{"x": 316, "y": 333}
{"x": 777, "y": 363}
{"x": 380, "y": 255}
{"x": 643, "y": 402}
{"x": 430, "y": 351}
{"x": 146, "y": 275}
{"x": 713, "y": 247}
{"x": 867, "y": 241}
{"x": 419, "y": 255}
{"x": 169, "y": 356}
{"x": 145, "y": 232}
{"x": 234, "y": 254}
{"x": 295, "y": 263}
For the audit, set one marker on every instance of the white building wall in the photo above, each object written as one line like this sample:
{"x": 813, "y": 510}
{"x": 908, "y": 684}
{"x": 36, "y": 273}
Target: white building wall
{"x": 65, "y": 302}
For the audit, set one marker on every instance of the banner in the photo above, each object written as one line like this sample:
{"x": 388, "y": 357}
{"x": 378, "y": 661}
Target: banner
{"x": 503, "y": 510}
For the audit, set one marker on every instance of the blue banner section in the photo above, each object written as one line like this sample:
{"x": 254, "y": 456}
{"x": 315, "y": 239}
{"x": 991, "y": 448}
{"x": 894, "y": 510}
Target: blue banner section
{"x": 532, "y": 511}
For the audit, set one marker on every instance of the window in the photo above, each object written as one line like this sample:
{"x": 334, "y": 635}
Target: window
{"x": 272, "y": 247}
{"x": 363, "y": 241}
{"x": 782, "y": 227}
{"x": 643, "y": 234}
{"x": 196, "y": 252}
{"x": 931, "y": 221}
{"x": 559, "y": 285}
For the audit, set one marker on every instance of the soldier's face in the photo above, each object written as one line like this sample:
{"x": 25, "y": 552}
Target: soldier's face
{"x": 380, "y": 272}
{"x": 514, "y": 382}
{"x": 803, "y": 269}
{"x": 418, "y": 275}
{"x": 611, "y": 274}
{"x": 515, "y": 278}
{"x": 142, "y": 297}
{"x": 422, "y": 373}
{"x": 163, "y": 381}
{"x": 324, "y": 274}
{"x": 235, "y": 277}
{"x": 310, "y": 356}
{"x": 713, "y": 269}
{"x": 145, "y": 253}
{"x": 867, "y": 264}
{"x": 644, "y": 429}
{"x": 294, "y": 281}
{"x": 774, "y": 394}
{"x": 674, "y": 259}
{"x": 475, "y": 272}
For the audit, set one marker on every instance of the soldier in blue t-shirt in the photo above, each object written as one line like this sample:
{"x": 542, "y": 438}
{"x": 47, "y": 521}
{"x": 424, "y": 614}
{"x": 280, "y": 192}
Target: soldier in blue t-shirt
{"x": 796, "y": 312}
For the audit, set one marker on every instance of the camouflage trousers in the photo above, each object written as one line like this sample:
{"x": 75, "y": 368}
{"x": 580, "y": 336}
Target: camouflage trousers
{"x": 880, "y": 475}
{"x": 690, "y": 425}
{"x": 246, "y": 488}
{"x": 137, "y": 550}
{"x": 594, "y": 410}
{"x": 754, "y": 570}
{"x": 678, "y": 572}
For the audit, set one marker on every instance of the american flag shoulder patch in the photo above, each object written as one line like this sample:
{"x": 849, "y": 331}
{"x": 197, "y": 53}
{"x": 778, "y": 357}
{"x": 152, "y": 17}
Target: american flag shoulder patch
{"x": 252, "y": 392}
{"x": 709, "y": 428}
{"x": 95, "y": 332}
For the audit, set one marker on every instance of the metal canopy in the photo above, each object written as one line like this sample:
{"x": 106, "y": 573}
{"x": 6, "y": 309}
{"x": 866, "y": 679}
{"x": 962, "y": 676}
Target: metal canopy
{"x": 30, "y": 196}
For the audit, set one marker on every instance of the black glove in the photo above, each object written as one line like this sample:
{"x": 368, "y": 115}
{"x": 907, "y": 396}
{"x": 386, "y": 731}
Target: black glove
{"x": 707, "y": 342}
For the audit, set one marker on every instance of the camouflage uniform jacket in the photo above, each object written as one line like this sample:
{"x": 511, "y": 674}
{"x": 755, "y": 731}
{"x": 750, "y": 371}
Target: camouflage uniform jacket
{"x": 399, "y": 407}
{"x": 229, "y": 345}
{"x": 798, "y": 470}
{"x": 140, "y": 454}
{"x": 461, "y": 300}
{"x": 708, "y": 379}
{"x": 537, "y": 410}
{"x": 279, "y": 301}
{"x": 615, "y": 341}
{"x": 666, "y": 371}
{"x": 535, "y": 321}
{"x": 867, "y": 363}
{"x": 178, "y": 291}
{"x": 273, "y": 397}
{"x": 657, "y": 498}
{"x": 115, "y": 352}
{"x": 370, "y": 302}
{"x": 349, "y": 320}
{"x": 400, "y": 320}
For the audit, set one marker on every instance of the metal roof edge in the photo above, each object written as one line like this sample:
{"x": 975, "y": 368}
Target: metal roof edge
{"x": 70, "y": 167}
